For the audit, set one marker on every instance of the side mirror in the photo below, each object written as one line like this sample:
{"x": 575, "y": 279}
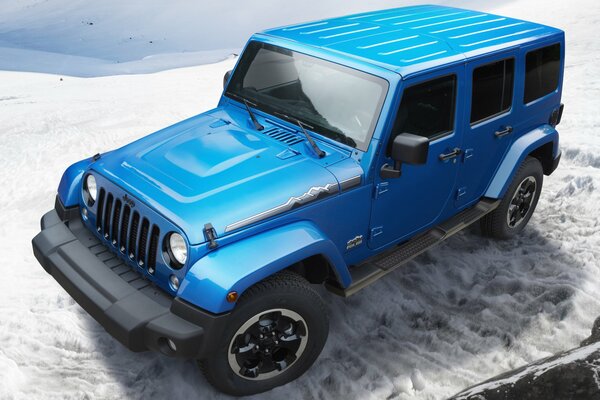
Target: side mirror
{"x": 226, "y": 78}
{"x": 409, "y": 149}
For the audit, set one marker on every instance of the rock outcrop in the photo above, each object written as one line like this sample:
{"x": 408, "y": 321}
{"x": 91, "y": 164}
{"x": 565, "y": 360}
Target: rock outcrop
{"x": 572, "y": 375}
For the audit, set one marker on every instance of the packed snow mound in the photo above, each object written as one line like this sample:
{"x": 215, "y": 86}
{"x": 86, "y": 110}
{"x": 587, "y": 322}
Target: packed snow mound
{"x": 461, "y": 313}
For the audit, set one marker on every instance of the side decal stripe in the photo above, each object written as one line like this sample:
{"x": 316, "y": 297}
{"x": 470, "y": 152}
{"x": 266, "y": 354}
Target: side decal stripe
{"x": 312, "y": 194}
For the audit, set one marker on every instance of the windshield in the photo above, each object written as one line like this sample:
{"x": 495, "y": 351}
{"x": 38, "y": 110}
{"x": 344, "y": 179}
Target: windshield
{"x": 336, "y": 101}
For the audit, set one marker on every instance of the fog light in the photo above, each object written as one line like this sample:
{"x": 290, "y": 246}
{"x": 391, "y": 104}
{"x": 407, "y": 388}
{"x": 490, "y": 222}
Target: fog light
{"x": 84, "y": 212}
{"x": 171, "y": 345}
{"x": 174, "y": 281}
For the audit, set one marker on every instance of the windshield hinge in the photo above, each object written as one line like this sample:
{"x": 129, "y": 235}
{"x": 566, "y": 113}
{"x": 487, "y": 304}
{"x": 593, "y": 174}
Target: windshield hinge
{"x": 211, "y": 236}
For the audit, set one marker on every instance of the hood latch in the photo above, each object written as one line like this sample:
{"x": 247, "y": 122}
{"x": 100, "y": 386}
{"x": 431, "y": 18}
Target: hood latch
{"x": 211, "y": 236}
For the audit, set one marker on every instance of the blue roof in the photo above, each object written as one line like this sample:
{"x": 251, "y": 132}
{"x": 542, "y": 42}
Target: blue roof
{"x": 403, "y": 39}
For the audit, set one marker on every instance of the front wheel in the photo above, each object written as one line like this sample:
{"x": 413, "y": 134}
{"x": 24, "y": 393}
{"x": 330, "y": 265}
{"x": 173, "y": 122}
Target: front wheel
{"x": 276, "y": 332}
{"x": 518, "y": 203}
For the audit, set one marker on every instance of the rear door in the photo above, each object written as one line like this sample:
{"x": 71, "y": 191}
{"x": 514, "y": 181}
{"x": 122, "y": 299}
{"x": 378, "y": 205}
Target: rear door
{"x": 403, "y": 206}
{"x": 488, "y": 124}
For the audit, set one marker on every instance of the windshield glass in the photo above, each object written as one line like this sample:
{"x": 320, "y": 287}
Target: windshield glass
{"x": 336, "y": 101}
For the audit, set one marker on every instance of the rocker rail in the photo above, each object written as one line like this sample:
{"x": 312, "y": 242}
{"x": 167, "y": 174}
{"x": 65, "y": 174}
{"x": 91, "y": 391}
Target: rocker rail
{"x": 380, "y": 265}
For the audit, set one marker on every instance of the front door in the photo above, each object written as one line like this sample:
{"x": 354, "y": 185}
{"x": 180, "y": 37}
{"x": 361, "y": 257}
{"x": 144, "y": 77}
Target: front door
{"x": 414, "y": 201}
{"x": 488, "y": 125}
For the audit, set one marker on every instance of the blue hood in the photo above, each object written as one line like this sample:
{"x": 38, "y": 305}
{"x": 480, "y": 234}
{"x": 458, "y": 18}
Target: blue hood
{"x": 214, "y": 168}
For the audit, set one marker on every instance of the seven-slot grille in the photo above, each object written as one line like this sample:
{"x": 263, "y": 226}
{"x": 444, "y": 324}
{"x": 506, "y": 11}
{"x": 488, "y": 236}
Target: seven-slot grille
{"x": 128, "y": 231}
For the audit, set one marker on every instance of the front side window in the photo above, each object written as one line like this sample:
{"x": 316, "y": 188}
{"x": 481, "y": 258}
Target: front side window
{"x": 492, "y": 90}
{"x": 542, "y": 70}
{"x": 427, "y": 109}
{"x": 333, "y": 100}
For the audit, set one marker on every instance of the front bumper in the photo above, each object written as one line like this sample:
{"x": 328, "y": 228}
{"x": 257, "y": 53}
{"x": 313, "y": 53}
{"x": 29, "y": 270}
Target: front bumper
{"x": 134, "y": 311}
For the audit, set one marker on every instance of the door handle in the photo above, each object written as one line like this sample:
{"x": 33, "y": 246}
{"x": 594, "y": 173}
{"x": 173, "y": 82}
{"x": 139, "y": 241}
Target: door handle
{"x": 506, "y": 131}
{"x": 447, "y": 156}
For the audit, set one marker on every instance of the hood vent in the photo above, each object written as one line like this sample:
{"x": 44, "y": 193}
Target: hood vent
{"x": 282, "y": 135}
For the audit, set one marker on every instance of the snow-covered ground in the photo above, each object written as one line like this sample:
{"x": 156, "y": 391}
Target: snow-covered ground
{"x": 110, "y": 37}
{"x": 461, "y": 313}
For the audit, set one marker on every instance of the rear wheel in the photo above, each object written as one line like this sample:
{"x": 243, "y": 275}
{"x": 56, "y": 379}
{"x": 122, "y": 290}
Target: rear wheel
{"x": 518, "y": 204}
{"x": 277, "y": 331}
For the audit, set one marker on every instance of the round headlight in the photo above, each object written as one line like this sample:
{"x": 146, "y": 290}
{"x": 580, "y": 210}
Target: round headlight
{"x": 178, "y": 248}
{"x": 91, "y": 189}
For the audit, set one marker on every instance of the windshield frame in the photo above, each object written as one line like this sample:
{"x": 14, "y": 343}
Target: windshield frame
{"x": 272, "y": 109}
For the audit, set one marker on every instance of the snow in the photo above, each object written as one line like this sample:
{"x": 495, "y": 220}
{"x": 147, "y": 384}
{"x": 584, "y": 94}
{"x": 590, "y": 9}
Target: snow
{"x": 109, "y": 37}
{"x": 462, "y": 313}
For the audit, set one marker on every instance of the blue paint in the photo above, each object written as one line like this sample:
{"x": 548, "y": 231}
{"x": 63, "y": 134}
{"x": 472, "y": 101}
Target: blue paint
{"x": 411, "y": 40}
{"x": 216, "y": 168}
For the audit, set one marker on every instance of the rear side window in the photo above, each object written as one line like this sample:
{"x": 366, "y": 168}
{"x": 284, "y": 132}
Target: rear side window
{"x": 492, "y": 90}
{"x": 542, "y": 68}
{"x": 427, "y": 109}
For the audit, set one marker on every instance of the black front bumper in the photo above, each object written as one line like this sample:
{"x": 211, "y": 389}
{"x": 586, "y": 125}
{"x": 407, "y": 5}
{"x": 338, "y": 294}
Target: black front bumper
{"x": 135, "y": 312}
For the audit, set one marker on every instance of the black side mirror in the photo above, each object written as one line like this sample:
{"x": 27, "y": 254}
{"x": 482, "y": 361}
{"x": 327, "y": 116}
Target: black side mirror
{"x": 226, "y": 78}
{"x": 409, "y": 149}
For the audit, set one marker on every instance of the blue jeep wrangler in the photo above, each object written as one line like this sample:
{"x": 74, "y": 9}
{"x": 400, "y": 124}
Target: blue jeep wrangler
{"x": 339, "y": 150}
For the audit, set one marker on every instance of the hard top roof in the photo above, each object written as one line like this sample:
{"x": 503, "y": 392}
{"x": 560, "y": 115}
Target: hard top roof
{"x": 403, "y": 39}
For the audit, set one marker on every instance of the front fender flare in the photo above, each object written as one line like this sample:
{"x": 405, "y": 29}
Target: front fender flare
{"x": 239, "y": 265}
{"x": 69, "y": 188}
{"x": 517, "y": 152}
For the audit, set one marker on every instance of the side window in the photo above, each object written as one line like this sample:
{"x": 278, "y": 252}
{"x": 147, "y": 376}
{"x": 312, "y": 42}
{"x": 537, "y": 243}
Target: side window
{"x": 542, "y": 70}
{"x": 492, "y": 90}
{"x": 427, "y": 109}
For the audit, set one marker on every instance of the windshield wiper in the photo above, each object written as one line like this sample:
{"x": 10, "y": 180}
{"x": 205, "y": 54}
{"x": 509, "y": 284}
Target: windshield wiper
{"x": 257, "y": 125}
{"x": 320, "y": 153}
{"x": 331, "y": 131}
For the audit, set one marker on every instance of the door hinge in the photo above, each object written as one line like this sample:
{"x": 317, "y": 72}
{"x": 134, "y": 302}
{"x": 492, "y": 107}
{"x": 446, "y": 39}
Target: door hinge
{"x": 378, "y": 230}
{"x": 467, "y": 154}
{"x": 380, "y": 189}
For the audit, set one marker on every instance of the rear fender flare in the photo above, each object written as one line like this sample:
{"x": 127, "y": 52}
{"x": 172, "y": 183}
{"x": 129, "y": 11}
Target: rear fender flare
{"x": 516, "y": 154}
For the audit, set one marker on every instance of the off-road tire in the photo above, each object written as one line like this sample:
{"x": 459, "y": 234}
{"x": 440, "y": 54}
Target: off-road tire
{"x": 496, "y": 224}
{"x": 285, "y": 290}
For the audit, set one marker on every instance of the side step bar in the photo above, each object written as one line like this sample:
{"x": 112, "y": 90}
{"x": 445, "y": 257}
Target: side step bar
{"x": 380, "y": 265}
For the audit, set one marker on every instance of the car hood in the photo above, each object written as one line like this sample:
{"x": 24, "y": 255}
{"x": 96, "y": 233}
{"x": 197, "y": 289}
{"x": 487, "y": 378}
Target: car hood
{"x": 214, "y": 169}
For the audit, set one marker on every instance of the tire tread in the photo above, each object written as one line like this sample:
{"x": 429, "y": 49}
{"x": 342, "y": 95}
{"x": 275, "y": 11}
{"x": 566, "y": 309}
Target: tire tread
{"x": 285, "y": 280}
{"x": 493, "y": 224}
